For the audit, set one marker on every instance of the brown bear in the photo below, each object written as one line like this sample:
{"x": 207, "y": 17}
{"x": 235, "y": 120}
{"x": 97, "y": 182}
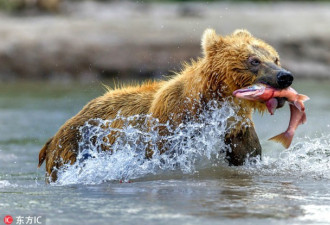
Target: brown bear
{"x": 228, "y": 63}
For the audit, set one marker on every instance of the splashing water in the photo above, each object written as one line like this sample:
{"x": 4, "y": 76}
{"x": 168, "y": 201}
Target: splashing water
{"x": 190, "y": 145}
{"x": 310, "y": 157}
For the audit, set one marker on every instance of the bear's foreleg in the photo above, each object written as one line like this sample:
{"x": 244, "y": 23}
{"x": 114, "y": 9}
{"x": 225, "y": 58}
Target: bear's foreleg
{"x": 245, "y": 144}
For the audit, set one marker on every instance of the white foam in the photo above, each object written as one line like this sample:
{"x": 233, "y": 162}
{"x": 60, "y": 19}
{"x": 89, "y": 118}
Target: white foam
{"x": 4, "y": 183}
{"x": 309, "y": 157}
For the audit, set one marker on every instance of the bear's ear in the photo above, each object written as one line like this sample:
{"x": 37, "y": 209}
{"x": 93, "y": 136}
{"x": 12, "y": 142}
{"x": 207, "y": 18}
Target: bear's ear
{"x": 209, "y": 40}
{"x": 242, "y": 33}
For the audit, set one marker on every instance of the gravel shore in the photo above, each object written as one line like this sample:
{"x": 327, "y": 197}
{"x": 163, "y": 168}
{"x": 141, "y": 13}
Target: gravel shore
{"x": 94, "y": 40}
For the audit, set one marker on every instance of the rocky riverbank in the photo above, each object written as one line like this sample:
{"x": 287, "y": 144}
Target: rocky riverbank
{"x": 95, "y": 40}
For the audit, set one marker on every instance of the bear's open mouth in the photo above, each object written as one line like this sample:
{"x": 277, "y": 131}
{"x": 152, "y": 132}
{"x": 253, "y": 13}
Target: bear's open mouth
{"x": 260, "y": 92}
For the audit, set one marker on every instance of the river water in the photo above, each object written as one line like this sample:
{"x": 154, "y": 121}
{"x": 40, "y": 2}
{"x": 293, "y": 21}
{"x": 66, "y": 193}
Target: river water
{"x": 285, "y": 187}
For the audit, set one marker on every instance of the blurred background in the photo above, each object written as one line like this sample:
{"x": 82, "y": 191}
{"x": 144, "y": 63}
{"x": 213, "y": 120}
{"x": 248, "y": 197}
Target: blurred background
{"x": 84, "y": 41}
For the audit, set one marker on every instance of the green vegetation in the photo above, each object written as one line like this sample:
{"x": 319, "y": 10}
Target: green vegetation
{"x": 11, "y": 5}
{"x": 52, "y": 5}
{"x": 36, "y": 5}
{"x": 232, "y": 1}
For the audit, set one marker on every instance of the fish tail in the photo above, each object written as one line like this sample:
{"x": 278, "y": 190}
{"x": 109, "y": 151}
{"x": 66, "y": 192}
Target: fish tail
{"x": 284, "y": 138}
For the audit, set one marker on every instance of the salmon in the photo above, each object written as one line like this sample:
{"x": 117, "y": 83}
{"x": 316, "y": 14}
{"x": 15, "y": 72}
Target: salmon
{"x": 267, "y": 94}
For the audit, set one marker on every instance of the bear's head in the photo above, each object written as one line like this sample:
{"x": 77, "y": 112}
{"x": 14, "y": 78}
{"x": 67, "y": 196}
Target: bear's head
{"x": 239, "y": 60}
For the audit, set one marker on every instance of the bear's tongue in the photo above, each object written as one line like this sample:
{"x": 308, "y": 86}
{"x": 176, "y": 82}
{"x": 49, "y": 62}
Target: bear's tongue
{"x": 272, "y": 105}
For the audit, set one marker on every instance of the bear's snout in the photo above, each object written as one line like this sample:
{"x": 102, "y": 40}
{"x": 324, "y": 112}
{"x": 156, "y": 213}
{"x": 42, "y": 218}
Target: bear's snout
{"x": 284, "y": 78}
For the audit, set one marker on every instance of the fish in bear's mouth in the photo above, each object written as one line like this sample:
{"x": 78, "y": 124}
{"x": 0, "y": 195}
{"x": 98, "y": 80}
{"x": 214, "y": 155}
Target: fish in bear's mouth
{"x": 270, "y": 96}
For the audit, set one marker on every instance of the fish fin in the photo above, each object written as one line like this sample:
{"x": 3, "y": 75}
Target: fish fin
{"x": 284, "y": 138}
{"x": 299, "y": 105}
{"x": 303, "y": 119}
{"x": 302, "y": 98}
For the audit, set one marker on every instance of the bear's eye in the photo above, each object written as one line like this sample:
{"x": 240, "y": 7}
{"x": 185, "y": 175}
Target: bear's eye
{"x": 276, "y": 61}
{"x": 255, "y": 62}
